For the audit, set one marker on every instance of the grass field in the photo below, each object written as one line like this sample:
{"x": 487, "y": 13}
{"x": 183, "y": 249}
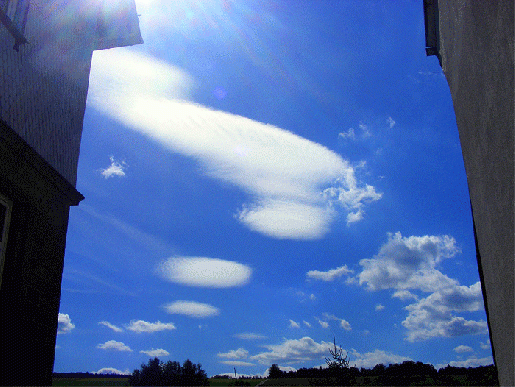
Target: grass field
{"x": 125, "y": 382}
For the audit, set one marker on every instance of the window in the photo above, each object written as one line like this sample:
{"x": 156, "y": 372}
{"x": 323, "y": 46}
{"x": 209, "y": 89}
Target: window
{"x": 5, "y": 215}
{"x": 13, "y": 15}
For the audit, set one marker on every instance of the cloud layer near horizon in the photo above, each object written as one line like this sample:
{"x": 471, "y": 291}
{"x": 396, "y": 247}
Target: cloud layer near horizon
{"x": 296, "y": 185}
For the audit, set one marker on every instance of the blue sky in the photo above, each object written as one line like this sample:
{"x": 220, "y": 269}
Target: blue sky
{"x": 262, "y": 177}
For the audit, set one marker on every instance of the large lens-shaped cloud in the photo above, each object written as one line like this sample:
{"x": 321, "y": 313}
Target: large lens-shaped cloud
{"x": 295, "y": 185}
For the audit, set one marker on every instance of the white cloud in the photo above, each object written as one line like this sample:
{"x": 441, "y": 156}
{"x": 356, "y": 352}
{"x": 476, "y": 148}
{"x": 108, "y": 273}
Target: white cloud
{"x": 156, "y": 352}
{"x": 329, "y": 275}
{"x": 237, "y": 363}
{"x": 307, "y": 324}
{"x": 235, "y": 354}
{"x": 250, "y": 336}
{"x": 391, "y": 122}
{"x": 471, "y": 362}
{"x": 323, "y": 324}
{"x": 293, "y": 351}
{"x": 114, "y": 345}
{"x": 379, "y": 307}
{"x": 349, "y": 134}
{"x": 370, "y": 359}
{"x": 115, "y": 169}
{"x": 353, "y": 217}
{"x": 365, "y": 133}
{"x": 432, "y": 316}
{"x": 192, "y": 309}
{"x": 112, "y": 371}
{"x": 284, "y": 219}
{"x": 312, "y": 297}
{"x": 343, "y": 323}
{"x": 64, "y": 324}
{"x": 204, "y": 272}
{"x": 409, "y": 263}
{"x": 294, "y": 324}
{"x": 111, "y": 326}
{"x": 284, "y": 174}
{"x": 462, "y": 349}
{"x": 404, "y": 295}
{"x": 140, "y": 326}
{"x": 486, "y": 345}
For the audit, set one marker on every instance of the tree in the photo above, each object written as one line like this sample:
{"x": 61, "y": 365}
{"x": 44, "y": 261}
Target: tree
{"x": 275, "y": 372}
{"x": 339, "y": 361}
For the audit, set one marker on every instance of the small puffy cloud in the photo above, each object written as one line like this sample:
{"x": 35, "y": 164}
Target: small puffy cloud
{"x": 329, "y": 275}
{"x": 365, "y": 133}
{"x": 64, "y": 324}
{"x": 349, "y": 134}
{"x": 115, "y": 169}
{"x": 294, "y": 324}
{"x": 250, "y": 336}
{"x": 156, "y": 352}
{"x": 237, "y": 363}
{"x": 409, "y": 263}
{"x": 379, "y": 307}
{"x": 353, "y": 217}
{"x": 140, "y": 326}
{"x": 191, "y": 309}
{"x": 282, "y": 173}
{"x": 312, "y": 297}
{"x": 391, "y": 122}
{"x": 323, "y": 324}
{"x": 114, "y": 345}
{"x": 234, "y": 354}
{"x": 462, "y": 349}
{"x": 307, "y": 324}
{"x": 111, "y": 326}
{"x": 111, "y": 371}
{"x": 343, "y": 323}
{"x": 293, "y": 351}
{"x": 370, "y": 359}
{"x": 204, "y": 272}
{"x": 486, "y": 345}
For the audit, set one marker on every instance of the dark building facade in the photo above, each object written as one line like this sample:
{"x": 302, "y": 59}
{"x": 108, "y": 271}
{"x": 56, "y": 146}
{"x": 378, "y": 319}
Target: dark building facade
{"x": 46, "y": 48}
{"x": 473, "y": 41}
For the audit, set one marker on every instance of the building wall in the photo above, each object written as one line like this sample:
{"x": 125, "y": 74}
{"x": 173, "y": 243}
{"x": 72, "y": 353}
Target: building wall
{"x": 43, "y": 86}
{"x": 477, "y": 56}
{"x": 43, "y": 90}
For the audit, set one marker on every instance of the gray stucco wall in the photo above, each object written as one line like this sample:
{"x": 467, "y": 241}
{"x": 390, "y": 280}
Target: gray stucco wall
{"x": 477, "y": 52}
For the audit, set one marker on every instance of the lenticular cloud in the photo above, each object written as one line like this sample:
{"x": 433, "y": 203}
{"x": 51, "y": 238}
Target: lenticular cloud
{"x": 204, "y": 272}
{"x": 297, "y": 186}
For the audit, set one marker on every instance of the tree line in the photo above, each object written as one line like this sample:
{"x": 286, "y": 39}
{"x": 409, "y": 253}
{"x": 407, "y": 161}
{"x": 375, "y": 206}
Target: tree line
{"x": 409, "y": 373}
{"x": 171, "y": 373}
